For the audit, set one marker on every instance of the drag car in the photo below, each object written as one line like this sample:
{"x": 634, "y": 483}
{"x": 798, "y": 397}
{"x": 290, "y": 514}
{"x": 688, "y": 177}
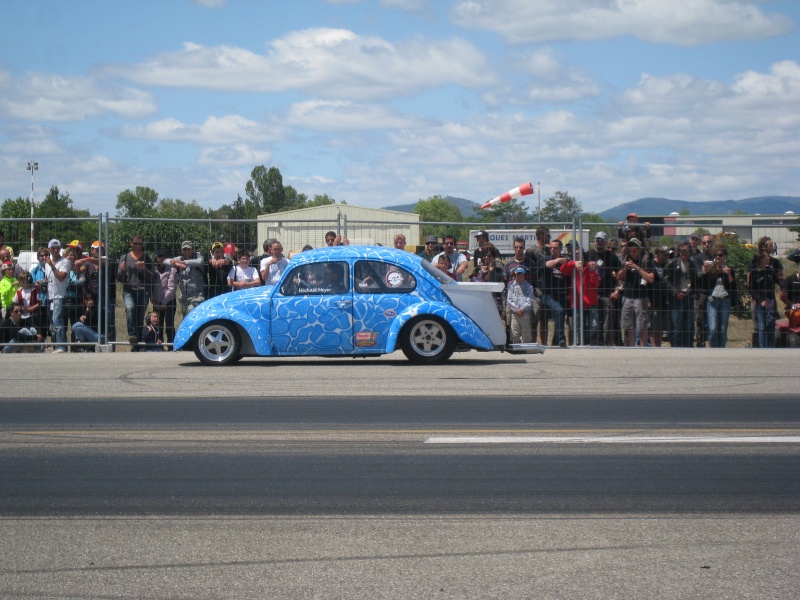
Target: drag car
{"x": 350, "y": 301}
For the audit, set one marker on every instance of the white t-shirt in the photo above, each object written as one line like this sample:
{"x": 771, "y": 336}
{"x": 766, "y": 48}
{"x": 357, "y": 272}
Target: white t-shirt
{"x": 237, "y": 273}
{"x": 56, "y": 288}
{"x": 276, "y": 269}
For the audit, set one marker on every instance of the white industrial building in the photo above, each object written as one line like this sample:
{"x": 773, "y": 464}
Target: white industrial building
{"x": 361, "y": 226}
{"x": 749, "y": 228}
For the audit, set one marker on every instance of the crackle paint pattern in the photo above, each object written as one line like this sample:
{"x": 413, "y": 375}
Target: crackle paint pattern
{"x": 333, "y": 324}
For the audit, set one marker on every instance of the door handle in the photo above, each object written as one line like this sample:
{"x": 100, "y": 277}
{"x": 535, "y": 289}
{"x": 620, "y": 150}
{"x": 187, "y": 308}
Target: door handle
{"x": 343, "y": 303}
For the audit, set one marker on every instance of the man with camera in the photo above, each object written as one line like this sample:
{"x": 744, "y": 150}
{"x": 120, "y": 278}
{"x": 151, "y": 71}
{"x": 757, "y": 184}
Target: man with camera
{"x": 635, "y": 276}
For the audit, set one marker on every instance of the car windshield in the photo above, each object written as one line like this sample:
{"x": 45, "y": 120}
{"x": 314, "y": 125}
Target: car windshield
{"x": 440, "y": 275}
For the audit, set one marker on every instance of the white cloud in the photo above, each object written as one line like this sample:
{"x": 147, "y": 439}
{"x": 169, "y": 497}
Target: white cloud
{"x": 46, "y": 97}
{"x": 341, "y": 115}
{"x": 237, "y": 155}
{"x": 331, "y": 63}
{"x": 679, "y": 22}
{"x": 214, "y": 130}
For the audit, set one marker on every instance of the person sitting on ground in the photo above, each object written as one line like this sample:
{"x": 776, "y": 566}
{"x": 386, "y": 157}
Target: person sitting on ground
{"x": 85, "y": 327}
{"x": 12, "y": 332}
{"x": 27, "y": 298}
{"x": 152, "y": 338}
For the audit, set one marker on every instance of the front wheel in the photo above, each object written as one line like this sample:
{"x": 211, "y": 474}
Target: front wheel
{"x": 218, "y": 343}
{"x": 427, "y": 340}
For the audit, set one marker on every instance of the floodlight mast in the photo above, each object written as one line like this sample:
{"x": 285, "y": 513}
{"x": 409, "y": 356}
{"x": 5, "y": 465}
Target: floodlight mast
{"x": 32, "y": 167}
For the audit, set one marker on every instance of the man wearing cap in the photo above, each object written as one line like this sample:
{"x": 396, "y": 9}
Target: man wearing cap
{"x": 57, "y": 270}
{"x": 631, "y": 228}
{"x": 608, "y": 264}
{"x": 431, "y": 249}
{"x": 520, "y": 304}
{"x": 458, "y": 262}
{"x": 481, "y": 242}
{"x": 191, "y": 277}
{"x": 634, "y": 276}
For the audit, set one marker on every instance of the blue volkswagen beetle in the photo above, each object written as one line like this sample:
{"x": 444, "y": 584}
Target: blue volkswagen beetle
{"x": 350, "y": 301}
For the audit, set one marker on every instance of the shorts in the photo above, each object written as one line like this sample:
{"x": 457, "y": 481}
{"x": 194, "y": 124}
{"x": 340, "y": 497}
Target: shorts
{"x": 634, "y": 314}
{"x": 659, "y": 319}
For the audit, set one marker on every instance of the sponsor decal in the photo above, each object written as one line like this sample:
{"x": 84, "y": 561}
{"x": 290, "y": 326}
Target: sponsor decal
{"x": 366, "y": 338}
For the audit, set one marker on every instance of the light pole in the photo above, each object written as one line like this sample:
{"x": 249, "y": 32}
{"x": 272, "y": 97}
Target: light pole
{"x": 32, "y": 166}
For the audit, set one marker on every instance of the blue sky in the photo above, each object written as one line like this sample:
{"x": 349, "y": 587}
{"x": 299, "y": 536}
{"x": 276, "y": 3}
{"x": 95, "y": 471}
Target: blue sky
{"x": 383, "y": 102}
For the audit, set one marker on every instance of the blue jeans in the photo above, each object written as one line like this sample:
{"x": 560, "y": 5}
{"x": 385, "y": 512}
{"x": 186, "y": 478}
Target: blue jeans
{"x": 135, "y": 309}
{"x": 555, "y": 308}
{"x": 718, "y": 311}
{"x": 84, "y": 333}
{"x": 682, "y": 323}
{"x": 26, "y": 334}
{"x": 766, "y": 327}
{"x": 58, "y": 325}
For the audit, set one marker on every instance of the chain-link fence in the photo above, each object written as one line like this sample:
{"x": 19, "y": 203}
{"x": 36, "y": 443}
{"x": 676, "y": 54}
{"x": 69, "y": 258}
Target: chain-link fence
{"x": 585, "y": 283}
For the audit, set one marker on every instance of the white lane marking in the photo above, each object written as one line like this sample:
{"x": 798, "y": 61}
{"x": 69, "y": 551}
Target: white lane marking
{"x": 633, "y": 439}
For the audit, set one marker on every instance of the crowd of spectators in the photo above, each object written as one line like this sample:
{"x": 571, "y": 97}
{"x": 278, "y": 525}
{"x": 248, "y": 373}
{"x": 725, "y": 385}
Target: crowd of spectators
{"x": 622, "y": 290}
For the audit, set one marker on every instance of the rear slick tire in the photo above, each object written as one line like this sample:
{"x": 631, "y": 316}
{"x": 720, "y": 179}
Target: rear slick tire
{"x": 427, "y": 340}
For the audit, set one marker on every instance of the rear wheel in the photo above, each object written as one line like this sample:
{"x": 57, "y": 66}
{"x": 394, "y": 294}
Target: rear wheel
{"x": 427, "y": 340}
{"x": 218, "y": 343}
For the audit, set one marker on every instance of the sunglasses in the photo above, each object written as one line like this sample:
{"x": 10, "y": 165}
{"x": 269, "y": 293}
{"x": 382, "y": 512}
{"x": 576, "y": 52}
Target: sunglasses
{"x": 719, "y": 255}
{"x": 137, "y": 243}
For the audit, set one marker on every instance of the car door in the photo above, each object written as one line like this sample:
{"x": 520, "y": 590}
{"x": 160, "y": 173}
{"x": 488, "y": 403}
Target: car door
{"x": 312, "y": 311}
{"x": 381, "y": 291}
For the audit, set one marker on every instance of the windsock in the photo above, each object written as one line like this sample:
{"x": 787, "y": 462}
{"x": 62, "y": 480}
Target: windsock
{"x": 523, "y": 190}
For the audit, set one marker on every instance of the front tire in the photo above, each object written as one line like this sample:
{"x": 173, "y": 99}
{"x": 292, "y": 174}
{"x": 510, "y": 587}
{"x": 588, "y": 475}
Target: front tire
{"x": 426, "y": 340}
{"x": 218, "y": 343}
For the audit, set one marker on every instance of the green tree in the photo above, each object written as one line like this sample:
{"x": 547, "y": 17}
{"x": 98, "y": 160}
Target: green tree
{"x": 560, "y": 208}
{"x": 137, "y": 205}
{"x": 55, "y": 207}
{"x": 265, "y": 190}
{"x": 684, "y": 212}
{"x": 320, "y": 200}
{"x": 514, "y": 211}
{"x": 437, "y": 209}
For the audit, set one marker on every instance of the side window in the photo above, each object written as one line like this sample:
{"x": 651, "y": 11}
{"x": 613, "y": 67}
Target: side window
{"x": 317, "y": 279}
{"x": 374, "y": 277}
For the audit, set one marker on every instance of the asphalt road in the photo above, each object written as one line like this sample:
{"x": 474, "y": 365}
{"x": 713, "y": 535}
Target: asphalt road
{"x": 578, "y": 474}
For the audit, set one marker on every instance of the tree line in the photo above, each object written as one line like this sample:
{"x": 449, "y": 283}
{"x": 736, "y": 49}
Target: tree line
{"x": 264, "y": 193}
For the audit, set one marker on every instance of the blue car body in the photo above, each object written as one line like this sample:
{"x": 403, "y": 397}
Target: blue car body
{"x": 349, "y": 301}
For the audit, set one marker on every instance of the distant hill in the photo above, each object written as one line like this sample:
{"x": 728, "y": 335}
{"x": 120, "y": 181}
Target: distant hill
{"x": 468, "y": 208}
{"x": 764, "y": 205}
